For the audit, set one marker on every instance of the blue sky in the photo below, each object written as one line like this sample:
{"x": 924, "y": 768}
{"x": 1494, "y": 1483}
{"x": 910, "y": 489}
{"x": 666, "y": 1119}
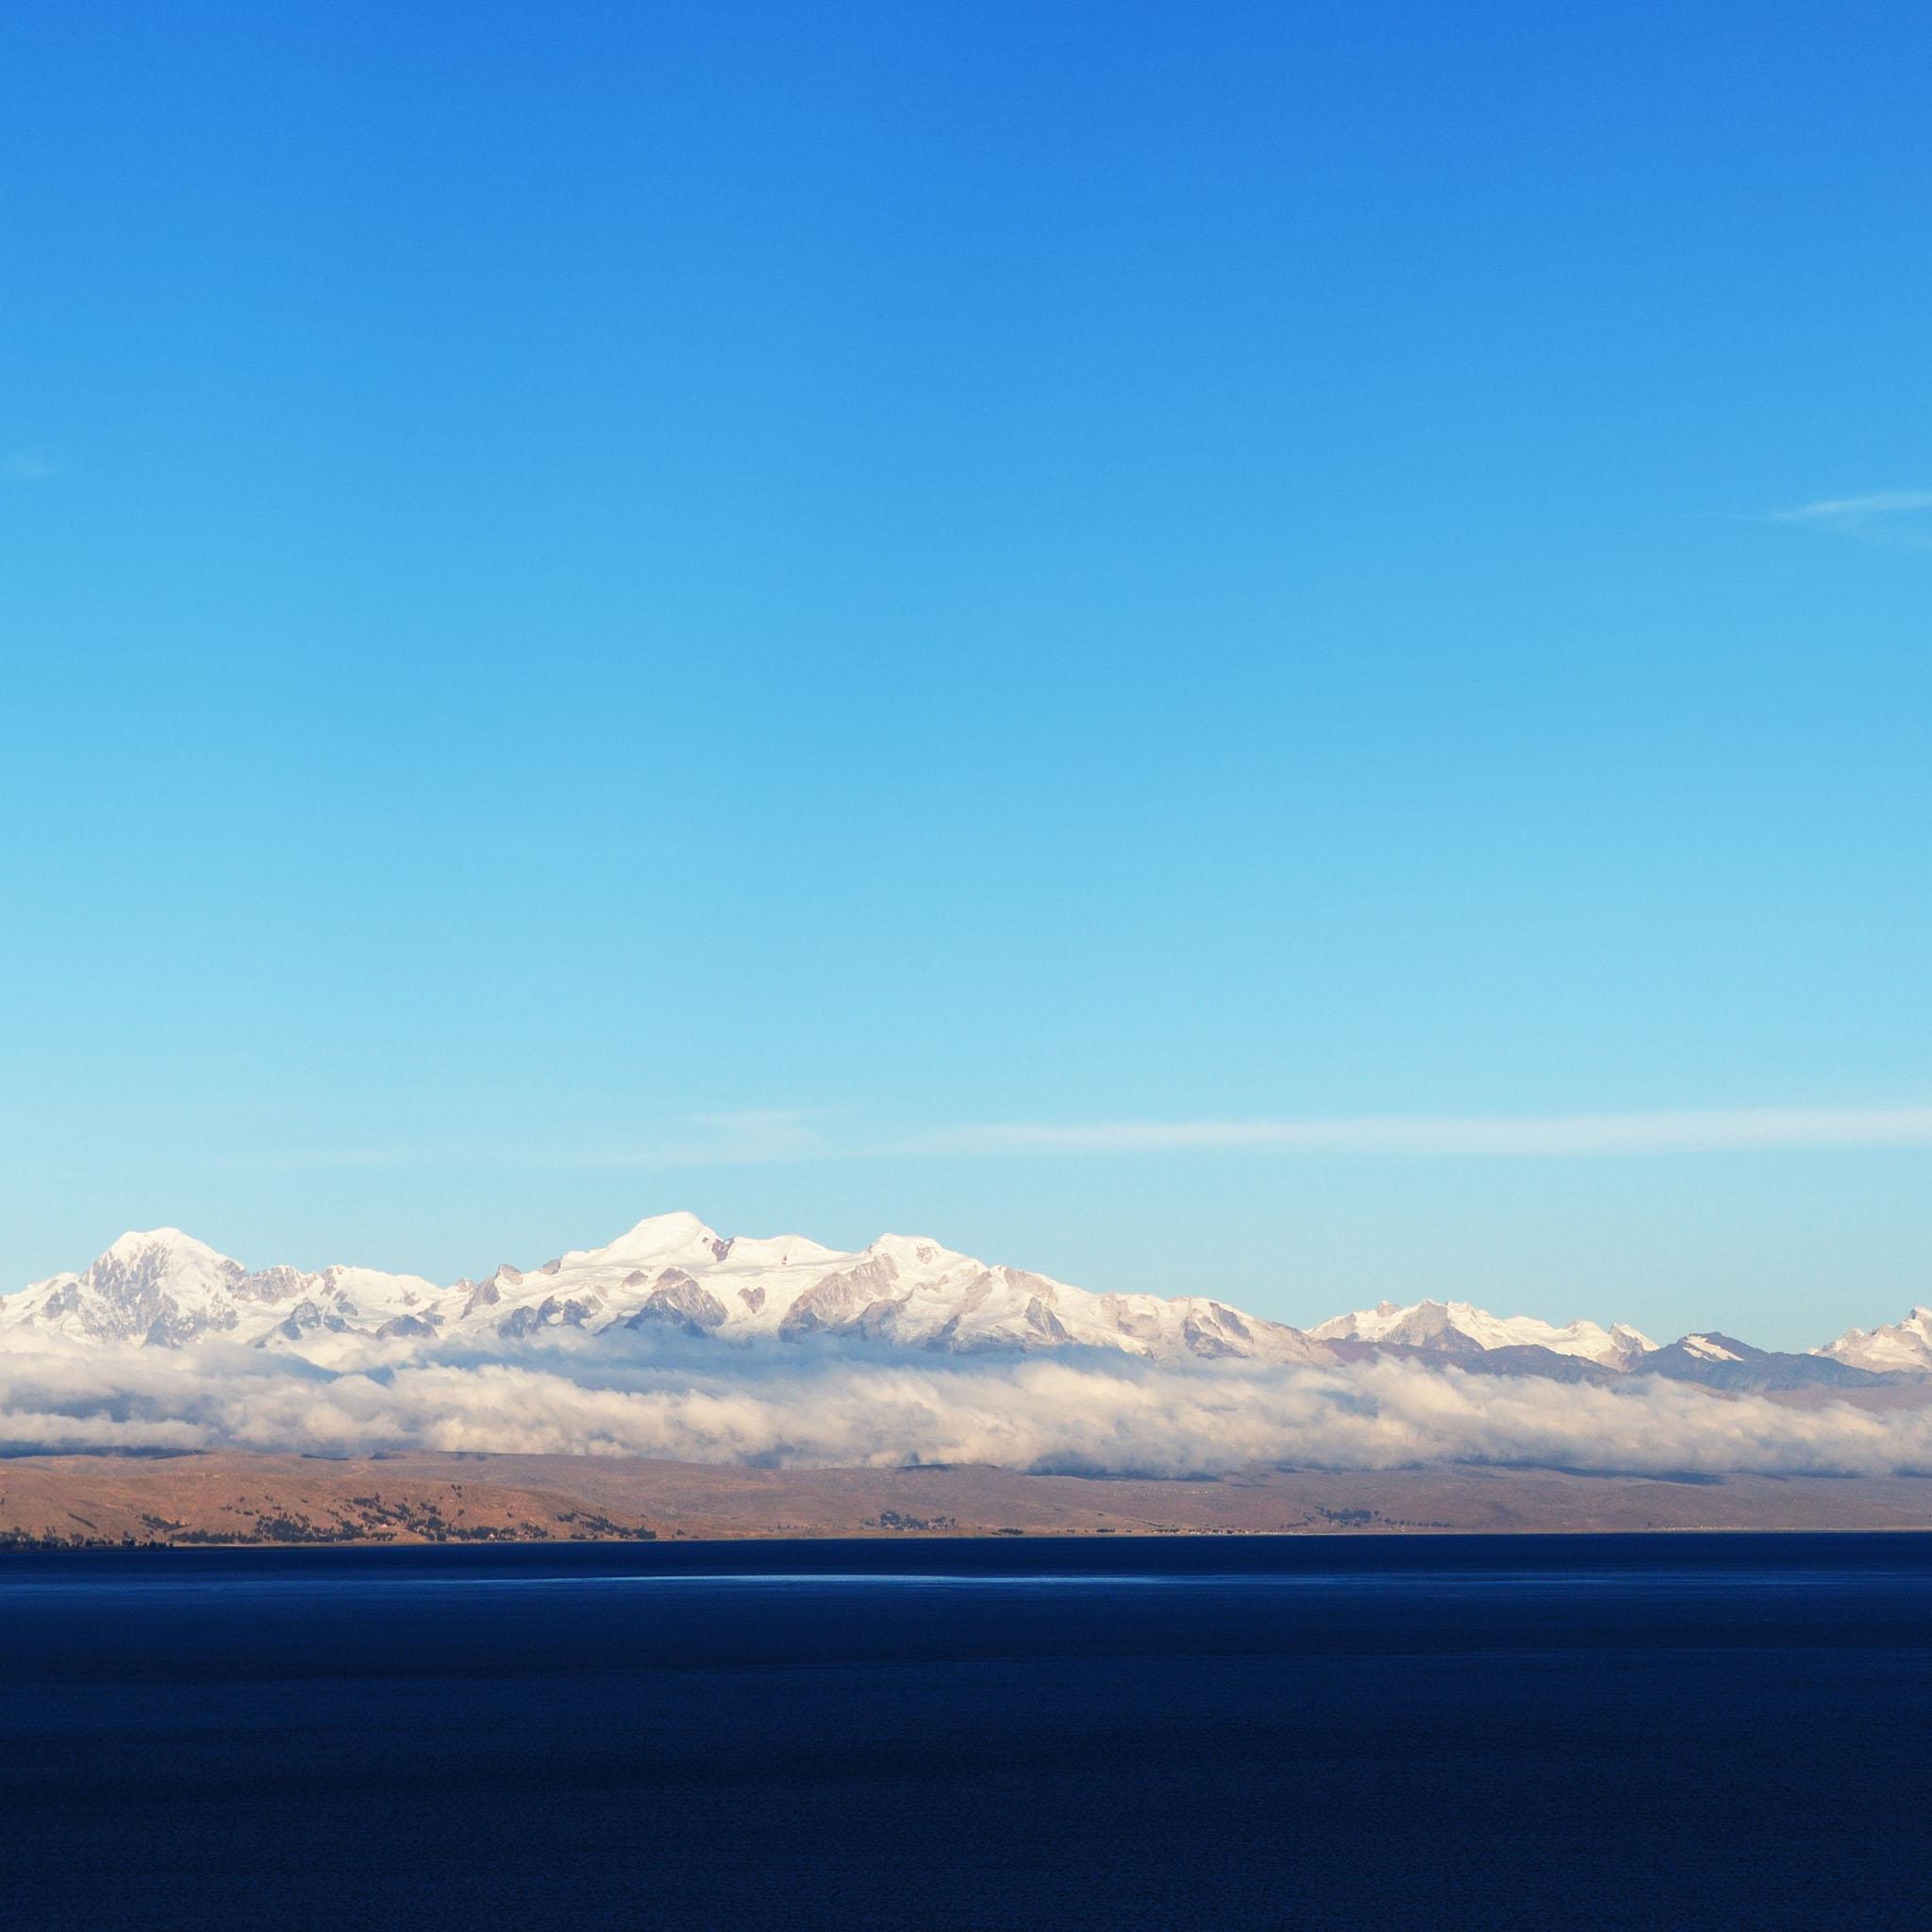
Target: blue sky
{"x": 744, "y": 608}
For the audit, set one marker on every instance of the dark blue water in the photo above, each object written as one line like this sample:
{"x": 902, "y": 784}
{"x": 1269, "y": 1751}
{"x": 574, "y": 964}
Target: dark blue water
{"x": 1628, "y": 1732}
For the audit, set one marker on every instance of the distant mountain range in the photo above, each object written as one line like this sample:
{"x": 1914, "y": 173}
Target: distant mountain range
{"x": 672, "y": 1274}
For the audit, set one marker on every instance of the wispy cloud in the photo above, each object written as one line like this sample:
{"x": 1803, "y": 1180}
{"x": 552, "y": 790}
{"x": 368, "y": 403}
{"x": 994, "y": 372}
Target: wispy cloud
{"x": 1898, "y": 519}
{"x": 786, "y": 1136}
{"x": 27, "y": 466}
{"x": 1726, "y": 1130}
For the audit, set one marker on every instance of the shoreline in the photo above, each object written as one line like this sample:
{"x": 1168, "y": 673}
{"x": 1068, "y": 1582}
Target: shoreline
{"x": 236, "y": 1499}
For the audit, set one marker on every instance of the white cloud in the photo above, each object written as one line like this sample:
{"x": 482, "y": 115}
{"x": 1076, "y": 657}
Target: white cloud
{"x": 826, "y": 1408}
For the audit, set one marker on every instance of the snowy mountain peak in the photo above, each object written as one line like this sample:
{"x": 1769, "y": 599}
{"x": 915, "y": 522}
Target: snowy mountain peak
{"x": 161, "y": 1252}
{"x": 168, "y": 1239}
{"x": 656, "y": 1234}
{"x": 1459, "y": 1328}
{"x": 1906, "y": 1344}
{"x": 921, "y": 1250}
{"x": 162, "y": 1288}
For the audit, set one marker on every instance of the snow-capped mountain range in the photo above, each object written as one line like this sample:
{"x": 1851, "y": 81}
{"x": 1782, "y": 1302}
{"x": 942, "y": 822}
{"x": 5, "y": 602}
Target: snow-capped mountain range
{"x": 1455, "y": 1328}
{"x": 671, "y": 1273}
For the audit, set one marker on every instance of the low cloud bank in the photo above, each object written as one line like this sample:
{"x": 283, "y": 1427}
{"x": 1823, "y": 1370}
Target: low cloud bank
{"x": 808, "y": 1409}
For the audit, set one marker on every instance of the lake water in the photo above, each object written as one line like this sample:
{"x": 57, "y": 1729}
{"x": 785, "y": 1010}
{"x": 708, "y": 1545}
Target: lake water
{"x": 1536, "y": 1732}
